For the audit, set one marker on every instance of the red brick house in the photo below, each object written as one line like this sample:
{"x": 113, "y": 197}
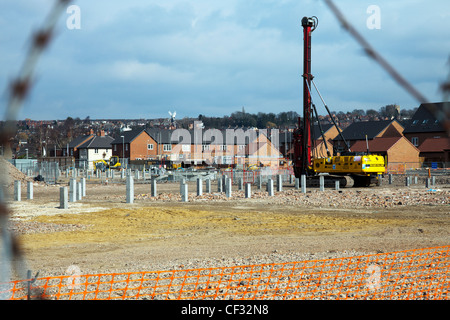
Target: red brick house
{"x": 135, "y": 145}
{"x": 424, "y": 125}
{"x": 435, "y": 150}
{"x": 398, "y": 151}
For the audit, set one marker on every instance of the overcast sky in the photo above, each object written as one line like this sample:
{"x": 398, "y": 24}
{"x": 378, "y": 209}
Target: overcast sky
{"x": 141, "y": 59}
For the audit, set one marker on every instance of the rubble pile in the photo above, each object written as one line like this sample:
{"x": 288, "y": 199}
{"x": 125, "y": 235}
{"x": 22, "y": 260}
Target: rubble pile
{"x": 347, "y": 198}
{"x": 9, "y": 173}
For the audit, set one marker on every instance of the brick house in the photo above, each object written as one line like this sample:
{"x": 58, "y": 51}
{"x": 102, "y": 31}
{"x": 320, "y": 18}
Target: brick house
{"x": 358, "y": 131}
{"x": 398, "y": 151}
{"x": 96, "y": 148}
{"x": 260, "y": 152}
{"x": 135, "y": 145}
{"x": 435, "y": 150}
{"x": 424, "y": 125}
{"x": 212, "y": 147}
{"x": 73, "y": 146}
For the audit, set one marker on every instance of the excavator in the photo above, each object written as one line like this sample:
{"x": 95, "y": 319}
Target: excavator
{"x": 112, "y": 163}
{"x": 349, "y": 168}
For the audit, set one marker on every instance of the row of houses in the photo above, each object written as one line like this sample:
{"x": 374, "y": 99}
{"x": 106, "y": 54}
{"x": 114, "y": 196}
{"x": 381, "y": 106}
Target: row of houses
{"x": 180, "y": 146}
{"x": 422, "y": 139}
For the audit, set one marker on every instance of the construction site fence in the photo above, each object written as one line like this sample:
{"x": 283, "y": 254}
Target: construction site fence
{"x": 417, "y": 167}
{"x": 403, "y": 275}
{"x": 263, "y": 174}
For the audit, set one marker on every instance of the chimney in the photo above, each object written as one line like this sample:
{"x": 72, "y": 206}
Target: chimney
{"x": 102, "y": 133}
{"x": 91, "y": 131}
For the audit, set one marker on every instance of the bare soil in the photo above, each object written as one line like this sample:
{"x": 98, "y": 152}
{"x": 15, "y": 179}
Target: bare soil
{"x": 102, "y": 233}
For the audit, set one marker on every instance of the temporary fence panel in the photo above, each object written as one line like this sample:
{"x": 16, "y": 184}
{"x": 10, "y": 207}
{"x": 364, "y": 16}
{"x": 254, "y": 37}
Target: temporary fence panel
{"x": 409, "y": 274}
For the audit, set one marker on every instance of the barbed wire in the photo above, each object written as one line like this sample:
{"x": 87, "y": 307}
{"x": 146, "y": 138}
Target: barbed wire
{"x": 443, "y": 116}
{"x": 12, "y": 259}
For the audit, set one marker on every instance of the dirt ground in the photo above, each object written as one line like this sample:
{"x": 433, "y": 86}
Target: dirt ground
{"x": 102, "y": 233}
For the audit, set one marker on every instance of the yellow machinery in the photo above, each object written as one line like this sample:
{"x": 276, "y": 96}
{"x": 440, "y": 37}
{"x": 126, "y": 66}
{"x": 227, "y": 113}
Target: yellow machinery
{"x": 112, "y": 163}
{"x": 364, "y": 164}
{"x": 363, "y": 169}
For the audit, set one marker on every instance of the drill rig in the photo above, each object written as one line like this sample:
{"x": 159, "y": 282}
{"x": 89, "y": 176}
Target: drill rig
{"x": 358, "y": 169}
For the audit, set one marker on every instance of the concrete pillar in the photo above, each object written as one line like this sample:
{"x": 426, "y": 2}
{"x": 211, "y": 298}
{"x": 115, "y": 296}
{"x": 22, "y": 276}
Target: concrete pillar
{"x": 153, "y": 191}
{"x": 427, "y": 182}
{"x": 433, "y": 180}
{"x": 208, "y": 186}
{"x": 17, "y": 191}
{"x": 259, "y": 182}
{"x": 279, "y": 183}
{"x": 336, "y": 185}
{"x": 184, "y": 193}
{"x": 63, "y": 198}
{"x": 228, "y": 187}
{"x": 83, "y": 187}
{"x": 291, "y": 179}
{"x": 390, "y": 178}
{"x": 407, "y": 181}
{"x": 224, "y": 182}
{"x": 122, "y": 173}
{"x": 240, "y": 184}
{"x": 270, "y": 187}
{"x": 322, "y": 183}
{"x": 219, "y": 184}
{"x": 248, "y": 190}
{"x": 199, "y": 186}
{"x": 297, "y": 183}
{"x": 30, "y": 190}
{"x": 182, "y": 183}
{"x": 130, "y": 189}
{"x": 79, "y": 191}
{"x": 303, "y": 183}
{"x": 72, "y": 190}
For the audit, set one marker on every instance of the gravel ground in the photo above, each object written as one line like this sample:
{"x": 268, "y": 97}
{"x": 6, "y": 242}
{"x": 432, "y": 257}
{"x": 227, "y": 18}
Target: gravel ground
{"x": 212, "y": 231}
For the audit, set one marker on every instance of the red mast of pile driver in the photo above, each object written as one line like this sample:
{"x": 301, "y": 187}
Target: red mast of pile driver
{"x": 303, "y": 146}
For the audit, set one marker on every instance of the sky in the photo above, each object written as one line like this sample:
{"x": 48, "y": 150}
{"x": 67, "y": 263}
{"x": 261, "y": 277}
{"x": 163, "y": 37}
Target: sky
{"x": 141, "y": 59}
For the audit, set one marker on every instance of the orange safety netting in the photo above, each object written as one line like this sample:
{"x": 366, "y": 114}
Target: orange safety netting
{"x": 411, "y": 274}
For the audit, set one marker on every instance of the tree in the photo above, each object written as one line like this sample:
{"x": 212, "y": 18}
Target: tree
{"x": 390, "y": 111}
{"x": 371, "y": 113}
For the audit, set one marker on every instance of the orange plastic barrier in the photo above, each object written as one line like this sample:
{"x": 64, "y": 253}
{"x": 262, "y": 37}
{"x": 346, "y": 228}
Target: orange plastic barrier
{"x": 412, "y": 274}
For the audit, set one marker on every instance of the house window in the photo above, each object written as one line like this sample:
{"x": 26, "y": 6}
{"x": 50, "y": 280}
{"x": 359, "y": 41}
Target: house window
{"x": 95, "y": 150}
{"x": 126, "y": 147}
{"x": 241, "y": 147}
{"x": 415, "y": 141}
{"x": 205, "y": 147}
{"x": 167, "y": 147}
{"x": 223, "y": 147}
{"x": 185, "y": 148}
{"x": 115, "y": 147}
{"x": 149, "y": 146}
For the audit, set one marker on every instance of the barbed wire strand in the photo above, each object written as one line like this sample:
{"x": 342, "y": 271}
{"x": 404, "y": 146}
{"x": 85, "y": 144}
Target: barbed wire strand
{"x": 12, "y": 259}
{"x": 443, "y": 116}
